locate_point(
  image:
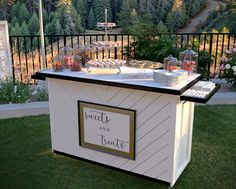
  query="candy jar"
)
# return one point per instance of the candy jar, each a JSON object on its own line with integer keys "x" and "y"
{"x": 57, "y": 63}
{"x": 85, "y": 52}
{"x": 171, "y": 63}
{"x": 167, "y": 62}
{"x": 190, "y": 60}
{"x": 174, "y": 64}
{"x": 67, "y": 54}
{"x": 76, "y": 65}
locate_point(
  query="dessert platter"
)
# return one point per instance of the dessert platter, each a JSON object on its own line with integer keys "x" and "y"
{"x": 105, "y": 66}
{"x": 144, "y": 64}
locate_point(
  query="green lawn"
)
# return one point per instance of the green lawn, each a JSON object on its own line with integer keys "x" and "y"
{"x": 26, "y": 160}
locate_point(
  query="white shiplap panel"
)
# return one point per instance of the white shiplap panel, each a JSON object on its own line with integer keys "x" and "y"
{"x": 132, "y": 99}
{"x": 154, "y": 159}
{"x": 151, "y": 149}
{"x": 119, "y": 97}
{"x": 153, "y": 119}
{"x": 145, "y": 101}
{"x": 159, "y": 169}
{"x": 152, "y": 109}
{"x": 151, "y": 137}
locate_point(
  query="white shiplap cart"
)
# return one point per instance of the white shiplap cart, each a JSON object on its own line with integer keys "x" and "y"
{"x": 164, "y": 119}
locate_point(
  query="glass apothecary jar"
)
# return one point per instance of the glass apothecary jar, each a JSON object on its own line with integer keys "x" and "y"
{"x": 189, "y": 60}
{"x": 67, "y": 54}
{"x": 85, "y": 53}
{"x": 76, "y": 64}
{"x": 171, "y": 63}
{"x": 57, "y": 63}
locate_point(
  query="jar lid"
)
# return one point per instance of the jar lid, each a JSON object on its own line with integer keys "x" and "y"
{"x": 169, "y": 58}
{"x": 66, "y": 49}
{"x": 189, "y": 52}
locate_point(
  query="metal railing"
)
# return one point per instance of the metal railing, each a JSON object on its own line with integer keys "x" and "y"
{"x": 26, "y": 59}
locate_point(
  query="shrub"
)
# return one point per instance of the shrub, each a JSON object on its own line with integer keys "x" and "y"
{"x": 228, "y": 66}
{"x": 204, "y": 59}
{"x": 13, "y": 92}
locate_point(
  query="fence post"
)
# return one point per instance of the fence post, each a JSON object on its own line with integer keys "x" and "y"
{"x": 210, "y": 52}
{"x": 115, "y": 48}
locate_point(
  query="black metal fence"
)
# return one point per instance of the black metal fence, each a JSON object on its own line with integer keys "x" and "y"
{"x": 26, "y": 59}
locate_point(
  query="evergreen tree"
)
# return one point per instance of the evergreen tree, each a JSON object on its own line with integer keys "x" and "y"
{"x": 91, "y": 19}
{"x": 15, "y": 10}
{"x": 69, "y": 20}
{"x": 45, "y": 17}
{"x": 195, "y": 8}
{"x": 15, "y": 30}
{"x": 24, "y": 44}
{"x": 76, "y": 19}
{"x": 170, "y": 22}
{"x": 125, "y": 18}
{"x": 161, "y": 28}
{"x": 115, "y": 6}
{"x": 23, "y": 14}
{"x": 81, "y": 8}
{"x": 100, "y": 6}
{"x": 33, "y": 24}
{"x": 53, "y": 28}
{"x": 24, "y": 28}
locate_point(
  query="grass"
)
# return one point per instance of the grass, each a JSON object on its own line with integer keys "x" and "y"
{"x": 26, "y": 160}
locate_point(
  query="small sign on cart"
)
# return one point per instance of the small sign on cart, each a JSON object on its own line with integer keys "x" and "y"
{"x": 108, "y": 129}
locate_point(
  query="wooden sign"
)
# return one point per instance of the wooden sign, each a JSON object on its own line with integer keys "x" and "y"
{"x": 107, "y": 129}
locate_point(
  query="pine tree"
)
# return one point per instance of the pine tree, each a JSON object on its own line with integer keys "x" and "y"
{"x": 170, "y": 22}
{"x": 81, "y": 8}
{"x": 100, "y": 6}
{"x": 115, "y": 6}
{"x": 161, "y": 28}
{"x": 195, "y": 8}
{"x": 53, "y": 28}
{"x": 33, "y": 24}
{"x": 91, "y": 19}
{"x": 24, "y": 28}
{"x": 23, "y": 14}
{"x": 15, "y": 9}
{"x": 45, "y": 16}
{"x": 125, "y": 15}
{"x": 76, "y": 19}
{"x": 15, "y": 30}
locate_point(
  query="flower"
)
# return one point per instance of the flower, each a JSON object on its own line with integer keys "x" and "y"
{"x": 224, "y": 59}
{"x": 228, "y": 51}
{"x": 234, "y": 49}
{"x": 227, "y": 66}
{"x": 234, "y": 68}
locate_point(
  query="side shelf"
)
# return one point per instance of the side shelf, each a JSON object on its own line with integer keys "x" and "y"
{"x": 187, "y": 96}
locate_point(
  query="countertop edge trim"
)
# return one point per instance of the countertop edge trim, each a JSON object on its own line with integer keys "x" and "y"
{"x": 43, "y": 76}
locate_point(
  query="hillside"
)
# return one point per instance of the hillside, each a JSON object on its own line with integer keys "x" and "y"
{"x": 74, "y": 16}
{"x": 222, "y": 19}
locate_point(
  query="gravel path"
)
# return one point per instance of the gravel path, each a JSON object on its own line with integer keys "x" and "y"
{"x": 201, "y": 17}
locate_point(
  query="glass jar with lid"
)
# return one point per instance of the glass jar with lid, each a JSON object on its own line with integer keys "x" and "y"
{"x": 189, "y": 60}
{"x": 85, "y": 53}
{"x": 76, "y": 64}
{"x": 171, "y": 63}
{"x": 67, "y": 54}
{"x": 57, "y": 63}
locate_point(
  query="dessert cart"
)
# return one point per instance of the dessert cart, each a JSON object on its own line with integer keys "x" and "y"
{"x": 128, "y": 121}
